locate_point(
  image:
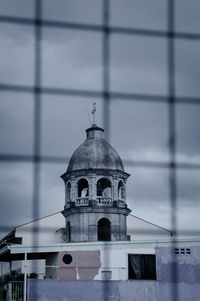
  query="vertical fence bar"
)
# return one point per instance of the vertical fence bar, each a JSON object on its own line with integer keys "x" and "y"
{"x": 106, "y": 66}
{"x": 172, "y": 144}
{"x": 106, "y": 90}
{"x": 37, "y": 119}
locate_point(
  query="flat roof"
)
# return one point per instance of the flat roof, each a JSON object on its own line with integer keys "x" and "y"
{"x": 16, "y": 252}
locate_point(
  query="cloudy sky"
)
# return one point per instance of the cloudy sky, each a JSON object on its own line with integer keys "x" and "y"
{"x": 72, "y": 59}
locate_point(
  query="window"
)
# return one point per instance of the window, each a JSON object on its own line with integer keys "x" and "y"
{"x": 182, "y": 251}
{"x": 67, "y": 258}
{"x": 141, "y": 267}
{"x": 104, "y": 188}
{"x": 68, "y": 192}
{"x": 82, "y": 188}
{"x": 121, "y": 190}
{"x": 106, "y": 275}
{"x": 68, "y": 231}
{"x": 104, "y": 230}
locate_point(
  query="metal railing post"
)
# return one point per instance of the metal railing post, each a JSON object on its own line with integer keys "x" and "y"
{"x": 25, "y": 275}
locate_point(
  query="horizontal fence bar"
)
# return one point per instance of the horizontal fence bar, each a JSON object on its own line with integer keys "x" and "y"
{"x": 138, "y": 163}
{"x": 98, "y": 94}
{"x": 100, "y": 28}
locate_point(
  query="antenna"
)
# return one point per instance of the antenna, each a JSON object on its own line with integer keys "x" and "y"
{"x": 93, "y": 112}
{"x": 88, "y": 115}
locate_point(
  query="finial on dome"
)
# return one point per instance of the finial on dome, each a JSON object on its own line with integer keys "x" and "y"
{"x": 93, "y": 112}
{"x": 94, "y": 131}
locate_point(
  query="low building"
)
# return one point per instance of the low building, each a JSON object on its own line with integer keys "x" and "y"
{"x": 96, "y": 237}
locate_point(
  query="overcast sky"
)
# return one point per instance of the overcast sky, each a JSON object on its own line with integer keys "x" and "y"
{"x": 139, "y": 130}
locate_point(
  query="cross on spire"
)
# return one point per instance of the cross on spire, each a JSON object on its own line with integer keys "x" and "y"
{"x": 93, "y": 112}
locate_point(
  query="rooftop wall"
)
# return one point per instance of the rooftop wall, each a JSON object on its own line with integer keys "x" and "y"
{"x": 65, "y": 290}
{"x": 187, "y": 266}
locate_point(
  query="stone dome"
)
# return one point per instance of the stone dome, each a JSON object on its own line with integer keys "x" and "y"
{"x": 95, "y": 153}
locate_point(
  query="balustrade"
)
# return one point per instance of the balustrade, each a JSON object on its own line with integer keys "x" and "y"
{"x": 104, "y": 201}
{"x": 101, "y": 201}
{"x": 82, "y": 201}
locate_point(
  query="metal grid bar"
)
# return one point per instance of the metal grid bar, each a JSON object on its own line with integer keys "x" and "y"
{"x": 37, "y": 121}
{"x": 106, "y": 54}
{"x": 100, "y": 28}
{"x": 87, "y": 93}
{"x": 132, "y": 163}
{"x": 172, "y": 141}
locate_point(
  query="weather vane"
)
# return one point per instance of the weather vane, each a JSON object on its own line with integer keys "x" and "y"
{"x": 93, "y": 112}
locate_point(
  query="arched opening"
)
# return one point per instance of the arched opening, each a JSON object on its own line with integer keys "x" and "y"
{"x": 68, "y": 191}
{"x": 82, "y": 188}
{"x": 104, "y": 188}
{"x": 121, "y": 190}
{"x": 68, "y": 231}
{"x": 104, "y": 230}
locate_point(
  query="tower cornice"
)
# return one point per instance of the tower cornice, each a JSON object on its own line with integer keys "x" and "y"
{"x": 110, "y": 210}
{"x": 85, "y": 172}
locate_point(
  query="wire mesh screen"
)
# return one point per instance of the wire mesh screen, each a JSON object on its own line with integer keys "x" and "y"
{"x": 139, "y": 62}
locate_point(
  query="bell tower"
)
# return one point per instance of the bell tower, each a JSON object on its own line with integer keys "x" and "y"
{"x": 95, "y": 191}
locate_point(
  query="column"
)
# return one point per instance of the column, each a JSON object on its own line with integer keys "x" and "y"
{"x": 73, "y": 189}
{"x": 115, "y": 188}
{"x": 92, "y": 187}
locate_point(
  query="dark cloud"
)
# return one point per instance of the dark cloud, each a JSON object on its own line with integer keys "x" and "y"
{"x": 188, "y": 185}
{"x": 147, "y": 185}
{"x": 19, "y": 8}
{"x": 17, "y": 54}
{"x": 16, "y": 123}
{"x": 139, "y": 14}
{"x": 64, "y": 120}
{"x": 73, "y": 11}
{"x": 187, "y": 14}
{"x": 142, "y": 132}
{"x": 187, "y": 132}
{"x": 149, "y": 196}
{"x": 16, "y": 186}
{"x": 138, "y": 64}
{"x": 52, "y": 192}
{"x": 72, "y": 59}
{"x": 187, "y": 67}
